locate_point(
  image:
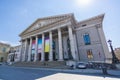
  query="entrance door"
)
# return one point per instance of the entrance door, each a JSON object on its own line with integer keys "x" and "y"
{"x": 32, "y": 57}
{"x": 54, "y": 56}
{"x": 39, "y": 56}
{"x": 46, "y": 56}
{"x": 69, "y": 49}
{"x": 1, "y": 60}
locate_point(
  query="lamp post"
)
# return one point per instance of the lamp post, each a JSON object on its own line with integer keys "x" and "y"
{"x": 114, "y": 58}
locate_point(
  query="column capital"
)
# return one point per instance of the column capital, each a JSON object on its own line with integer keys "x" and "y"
{"x": 50, "y": 32}
{"x": 26, "y": 40}
{"x": 36, "y": 36}
{"x": 30, "y": 38}
{"x": 59, "y": 28}
{"x": 22, "y": 40}
{"x": 43, "y": 33}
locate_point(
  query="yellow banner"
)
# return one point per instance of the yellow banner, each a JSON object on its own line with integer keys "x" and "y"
{"x": 47, "y": 45}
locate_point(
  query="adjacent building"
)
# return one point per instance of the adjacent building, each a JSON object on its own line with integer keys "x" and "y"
{"x": 62, "y": 38}
{"x": 4, "y": 50}
{"x": 117, "y": 53}
{"x": 14, "y": 54}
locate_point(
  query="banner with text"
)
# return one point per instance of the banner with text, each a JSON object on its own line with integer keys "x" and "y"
{"x": 39, "y": 45}
{"x": 47, "y": 44}
{"x": 33, "y": 46}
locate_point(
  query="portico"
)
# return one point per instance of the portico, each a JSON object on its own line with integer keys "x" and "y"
{"x": 51, "y": 46}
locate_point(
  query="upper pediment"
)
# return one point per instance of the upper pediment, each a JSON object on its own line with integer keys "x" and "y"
{"x": 42, "y": 22}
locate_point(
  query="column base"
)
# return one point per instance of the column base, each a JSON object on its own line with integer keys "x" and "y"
{"x": 50, "y": 60}
{"x": 34, "y": 60}
{"x": 28, "y": 61}
{"x": 42, "y": 60}
{"x": 60, "y": 60}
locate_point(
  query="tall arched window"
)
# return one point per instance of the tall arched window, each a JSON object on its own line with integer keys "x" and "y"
{"x": 86, "y": 39}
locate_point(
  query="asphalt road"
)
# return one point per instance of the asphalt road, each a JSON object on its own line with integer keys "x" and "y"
{"x": 14, "y": 73}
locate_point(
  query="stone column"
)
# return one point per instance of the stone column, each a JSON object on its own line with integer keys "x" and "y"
{"x": 51, "y": 51}
{"x": 29, "y": 54}
{"x": 42, "y": 54}
{"x": 36, "y": 49}
{"x": 25, "y": 52}
{"x": 72, "y": 45}
{"x": 21, "y": 57}
{"x": 60, "y": 45}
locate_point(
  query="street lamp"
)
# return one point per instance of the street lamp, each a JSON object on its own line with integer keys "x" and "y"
{"x": 114, "y": 58}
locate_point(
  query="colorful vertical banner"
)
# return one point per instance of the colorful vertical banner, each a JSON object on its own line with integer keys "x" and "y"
{"x": 39, "y": 45}
{"x": 47, "y": 44}
{"x": 33, "y": 46}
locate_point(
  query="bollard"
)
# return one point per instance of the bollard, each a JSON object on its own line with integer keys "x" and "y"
{"x": 104, "y": 69}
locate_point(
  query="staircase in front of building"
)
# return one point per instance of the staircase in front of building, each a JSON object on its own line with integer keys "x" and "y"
{"x": 45, "y": 64}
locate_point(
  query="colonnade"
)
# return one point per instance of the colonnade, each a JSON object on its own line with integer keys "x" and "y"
{"x": 29, "y": 52}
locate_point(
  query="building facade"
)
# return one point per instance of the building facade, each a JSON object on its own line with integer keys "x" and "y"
{"x": 59, "y": 38}
{"x": 14, "y": 54}
{"x": 4, "y": 50}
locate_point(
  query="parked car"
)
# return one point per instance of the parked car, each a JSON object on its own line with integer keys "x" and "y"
{"x": 90, "y": 65}
{"x": 0, "y": 63}
{"x": 81, "y": 65}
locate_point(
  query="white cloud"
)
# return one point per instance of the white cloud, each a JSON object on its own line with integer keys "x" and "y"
{"x": 11, "y": 43}
{"x": 6, "y": 42}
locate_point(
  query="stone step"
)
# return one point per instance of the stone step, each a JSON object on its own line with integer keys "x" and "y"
{"x": 46, "y": 64}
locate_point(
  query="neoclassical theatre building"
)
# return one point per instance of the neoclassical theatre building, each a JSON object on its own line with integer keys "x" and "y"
{"x": 62, "y": 37}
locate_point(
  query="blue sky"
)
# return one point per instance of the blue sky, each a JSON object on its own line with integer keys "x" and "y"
{"x": 17, "y": 15}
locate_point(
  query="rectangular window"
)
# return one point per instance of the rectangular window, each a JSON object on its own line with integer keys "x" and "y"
{"x": 4, "y": 49}
{"x": 89, "y": 54}
{"x": 84, "y": 25}
{"x": 86, "y": 39}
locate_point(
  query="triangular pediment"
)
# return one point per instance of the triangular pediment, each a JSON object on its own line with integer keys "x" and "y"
{"x": 42, "y": 22}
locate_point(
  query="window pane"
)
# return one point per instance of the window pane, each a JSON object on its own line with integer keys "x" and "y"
{"x": 89, "y": 54}
{"x": 86, "y": 39}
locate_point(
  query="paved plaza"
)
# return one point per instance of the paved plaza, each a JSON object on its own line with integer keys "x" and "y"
{"x": 24, "y": 73}
{"x": 68, "y": 76}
